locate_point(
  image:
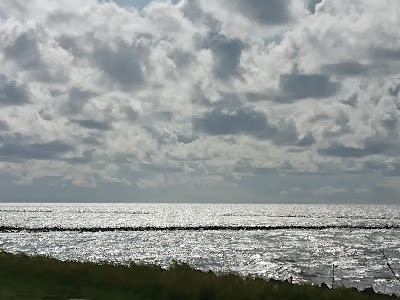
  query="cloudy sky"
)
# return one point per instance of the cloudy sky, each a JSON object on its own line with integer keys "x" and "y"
{"x": 200, "y": 101}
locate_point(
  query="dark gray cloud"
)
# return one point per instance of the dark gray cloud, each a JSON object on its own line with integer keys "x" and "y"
{"x": 193, "y": 11}
{"x": 226, "y": 53}
{"x": 245, "y": 121}
{"x": 150, "y": 167}
{"x": 41, "y": 151}
{"x": 346, "y": 68}
{"x": 182, "y": 59}
{"x": 86, "y": 157}
{"x": 394, "y": 91}
{"x": 374, "y": 165}
{"x": 390, "y": 124}
{"x": 186, "y": 139}
{"x": 372, "y": 146}
{"x": 352, "y": 101}
{"x": 92, "y": 140}
{"x": 386, "y": 53}
{"x": 311, "y": 5}
{"x": 3, "y": 126}
{"x": 12, "y": 138}
{"x": 268, "y": 12}
{"x": 131, "y": 114}
{"x": 71, "y": 44}
{"x": 231, "y": 100}
{"x": 342, "y": 126}
{"x": 77, "y": 99}
{"x": 254, "y": 97}
{"x": 124, "y": 64}
{"x": 191, "y": 156}
{"x": 300, "y": 86}
{"x": 218, "y": 122}
{"x": 285, "y": 133}
{"x": 94, "y": 124}
{"x": 320, "y": 117}
{"x": 338, "y": 150}
{"x": 243, "y": 166}
{"x": 61, "y": 18}
{"x": 45, "y": 115}
{"x": 11, "y": 93}
{"x": 165, "y": 115}
{"x": 24, "y": 51}
{"x": 227, "y": 57}
{"x": 264, "y": 170}
{"x": 393, "y": 171}
{"x": 306, "y": 141}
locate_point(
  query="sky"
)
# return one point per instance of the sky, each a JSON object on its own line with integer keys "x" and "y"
{"x": 250, "y": 101}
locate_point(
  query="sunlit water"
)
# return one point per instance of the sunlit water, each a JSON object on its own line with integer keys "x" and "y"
{"x": 306, "y": 253}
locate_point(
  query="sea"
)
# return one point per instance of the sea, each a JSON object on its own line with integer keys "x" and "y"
{"x": 340, "y": 245}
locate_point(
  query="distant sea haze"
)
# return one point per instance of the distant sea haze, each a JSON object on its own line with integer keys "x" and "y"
{"x": 269, "y": 241}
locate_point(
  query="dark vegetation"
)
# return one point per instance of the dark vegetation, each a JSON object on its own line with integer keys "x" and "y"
{"x": 24, "y": 277}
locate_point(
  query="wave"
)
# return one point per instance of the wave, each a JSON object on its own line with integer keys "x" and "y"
{"x": 139, "y": 212}
{"x": 193, "y": 228}
{"x": 309, "y": 216}
{"x": 25, "y": 210}
{"x": 76, "y": 211}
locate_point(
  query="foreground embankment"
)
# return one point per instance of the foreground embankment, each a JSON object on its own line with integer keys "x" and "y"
{"x": 24, "y": 277}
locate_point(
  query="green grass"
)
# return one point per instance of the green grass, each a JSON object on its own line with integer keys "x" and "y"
{"x": 24, "y": 277}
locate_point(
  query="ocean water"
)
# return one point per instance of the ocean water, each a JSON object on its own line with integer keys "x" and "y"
{"x": 270, "y": 241}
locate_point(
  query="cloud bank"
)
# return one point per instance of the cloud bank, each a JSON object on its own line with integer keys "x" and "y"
{"x": 192, "y": 100}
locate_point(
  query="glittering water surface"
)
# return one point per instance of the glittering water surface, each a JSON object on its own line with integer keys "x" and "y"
{"x": 305, "y": 254}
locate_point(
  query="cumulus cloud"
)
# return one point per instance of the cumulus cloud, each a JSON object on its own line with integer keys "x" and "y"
{"x": 184, "y": 94}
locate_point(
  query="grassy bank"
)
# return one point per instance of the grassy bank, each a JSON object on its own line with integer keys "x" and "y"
{"x": 23, "y": 277}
